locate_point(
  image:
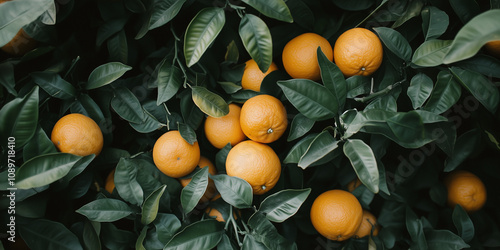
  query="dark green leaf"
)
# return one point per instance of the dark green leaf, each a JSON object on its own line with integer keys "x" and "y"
{"x": 463, "y": 223}
{"x": 310, "y": 98}
{"x": 299, "y": 127}
{"x": 250, "y": 243}
{"x": 358, "y": 85}
{"x": 209, "y": 102}
{"x": 234, "y": 190}
{"x": 364, "y": 163}
{"x": 126, "y": 182}
{"x": 105, "y": 210}
{"x": 479, "y": 86}
{"x": 39, "y": 144}
{"x": 265, "y": 232}
{"x": 7, "y": 79}
{"x": 276, "y": 9}
{"x": 413, "y": 9}
{"x": 114, "y": 238}
{"x": 220, "y": 158}
{"x": 54, "y": 85}
{"x": 139, "y": 243}
{"x": 464, "y": 147}
{"x": 445, "y": 93}
{"x": 192, "y": 193}
{"x": 465, "y": 9}
{"x": 118, "y": 47}
{"x": 169, "y": 81}
{"x": 230, "y": 87}
{"x": 434, "y": 22}
{"x": 322, "y": 145}
{"x": 299, "y": 149}
{"x": 106, "y": 74}
{"x": 420, "y": 89}
{"x": 46, "y": 234}
{"x": 187, "y": 133}
{"x": 395, "y": 42}
{"x": 201, "y": 32}
{"x": 406, "y": 127}
{"x": 473, "y": 35}
{"x": 166, "y": 226}
{"x": 301, "y": 13}
{"x": 444, "y": 239}
{"x": 416, "y": 229}
{"x": 486, "y": 65}
{"x": 45, "y": 169}
{"x": 333, "y": 79}
{"x": 353, "y": 5}
{"x": 257, "y": 40}
{"x": 282, "y": 205}
{"x": 108, "y": 29}
{"x": 91, "y": 236}
{"x": 163, "y": 11}
{"x": 431, "y": 53}
{"x": 151, "y": 204}
{"x": 128, "y": 107}
{"x": 204, "y": 234}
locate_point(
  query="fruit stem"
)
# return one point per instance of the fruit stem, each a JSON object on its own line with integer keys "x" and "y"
{"x": 379, "y": 93}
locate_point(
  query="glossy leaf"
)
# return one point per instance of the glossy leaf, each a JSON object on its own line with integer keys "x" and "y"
{"x": 265, "y": 232}
{"x": 395, "y": 42}
{"x": 201, "y": 32}
{"x": 126, "y": 182}
{"x": 420, "y": 89}
{"x": 204, "y": 234}
{"x": 164, "y": 11}
{"x": 139, "y": 243}
{"x": 473, "y": 35}
{"x": 54, "y": 85}
{"x": 7, "y": 79}
{"x": 412, "y": 10}
{"x": 105, "y": 210}
{"x": 169, "y": 80}
{"x": 166, "y": 226}
{"x": 18, "y": 119}
{"x": 151, "y": 204}
{"x": 276, "y": 9}
{"x": 486, "y": 65}
{"x": 322, "y": 145}
{"x": 479, "y": 86}
{"x": 55, "y": 235}
{"x": 445, "y": 93}
{"x": 310, "y": 98}
{"x": 465, "y": 10}
{"x": 434, "y": 22}
{"x": 126, "y": 104}
{"x": 108, "y": 29}
{"x": 431, "y": 53}
{"x": 333, "y": 79}
{"x": 39, "y": 144}
{"x": 192, "y": 192}
{"x": 209, "y": 102}
{"x": 250, "y": 243}
{"x": 234, "y": 190}
{"x": 300, "y": 126}
{"x": 406, "y": 127}
{"x": 282, "y": 205}
{"x": 44, "y": 169}
{"x": 257, "y": 40}
{"x": 187, "y": 133}
{"x": 90, "y": 235}
{"x": 416, "y": 229}
{"x": 364, "y": 163}
{"x": 463, "y": 223}
{"x": 444, "y": 239}
{"x": 466, "y": 144}
{"x": 298, "y": 149}
{"x": 106, "y": 74}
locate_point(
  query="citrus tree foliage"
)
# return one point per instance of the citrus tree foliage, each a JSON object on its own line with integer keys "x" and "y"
{"x": 143, "y": 67}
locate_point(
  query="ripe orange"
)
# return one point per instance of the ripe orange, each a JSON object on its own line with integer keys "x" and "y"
{"x": 493, "y": 48}
{"x": 223, "y": 130}
{"x": 367, "y": 223}
{"x": 263, "y": 118}
{"x": 358, "y": 51}
{"x": 211, "y": 190}
{"x": 300, "y": 57}
{"x": 336, "y": 214}
{"x": 255, "y": 163}
{"x": 253, "y": 76}
{"x": 110, "y": 182}
{"x": 212, "y": 212}
{"x": 174, "y": 156}
{"x": 77, "y": 134}
{"x": 353, "y": 184}
{"x": 466, "y": 189}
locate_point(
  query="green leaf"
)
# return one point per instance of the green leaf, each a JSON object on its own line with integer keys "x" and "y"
{"x": 444, "y": 239}
{"x": 192, "y": 193}
{"x": 463, "y": 223}
{"x": 39, "y": 144}
{"x": 126, "y": 182}
{"x": 105, "y": 210}
{"x": 333, "y": 79}
{"x": 106, "y": 74}
{"x": 16, "y": 14}
{"x": 298, "y": 149}
{"x": 7, "y": 79}
{"x": 322, "y": 145}
{"x": 234, "y": 190}
{"x": 406, "y": 127}
{"x": 416, "y": 229}
{"x": 46, "y": 234}
{"x": 395, "y": 42}
{"x": 300, "y": 126}
{"x": 54, "y": 85}
{"x": 169, "y": 80}
{"x": 431, "y": 53}
{"x": 473, "y": 35}
{"x": 187, "y": 133}
{"x": 151, "y": 204}
{"x": 465, "y": 9}
{"x": 310, "y": 98}
{"x": 282, "y": 205}
{"x": 201, "y": 32}
{"x": 209, "y": 102}
{"x": 355, "y": 5}
{"x": 128, "y": 107}
{"x": 19, "y": 119}
{"x": 44, "y": 169}
{"x": 486, "y": 65}
{"x": 434, "y": 22}
{"x": 265, "y": 232}
{"x": 466, "y": 144}
{"x": 420, "y": 89}
{"x": 413, "y": 9}
{"x": 109, "y": 28}
{"x": 114, "y": 238}
{"x": 276, "y": 9}
{"x": 250, "y": 243}
{"x": 230, "y": 87}
{"x": 445, "y": 93}
{"x": 364, "y": 163}
{"x": 163, "y": 11}
{"x": 204, "y": 234}
{"x": 118, "y": 47}
{"x": 166, "y": 226}
{"x": 91, "y": 236}
{"x": 358, "y": 85}
{"x": 139, "y": 243}
{"x": 257, "y": 40}
{"x": 76, "y": 170}
{"x": 479, "y": 86}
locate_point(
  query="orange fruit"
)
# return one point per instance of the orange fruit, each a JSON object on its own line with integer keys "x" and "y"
{"x": 353, "y": 184}
{"x": 110, "y": 182}
{"x": 336, "y": 214}
{"x": 174, "y": 156}
{"x": 211, "y": 190}
{"x": 223, "y": 130}
{"x": 77, "y": 134}
{"x": 255, "y": 163}
{"x": 358, "y": 51}
{"x": 212, "y": 212}
{"x": 263, "y": 118}
{"x": 20, "y": 44}
{"x": 367, "y": 223}
{"x": 253, "y": 76}
{"x": 493, "y": 48}
{"x": 300, "y": 57}
{"x": 466, "y": 189}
